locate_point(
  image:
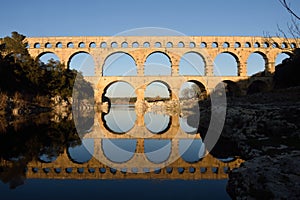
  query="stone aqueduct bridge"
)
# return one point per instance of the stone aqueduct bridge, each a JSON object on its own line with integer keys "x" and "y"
{"x": 174, "y": 47}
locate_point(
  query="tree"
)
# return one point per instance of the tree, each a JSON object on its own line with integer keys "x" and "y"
{"x": 16, "y": 46}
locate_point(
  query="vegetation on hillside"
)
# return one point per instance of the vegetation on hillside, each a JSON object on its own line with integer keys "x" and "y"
{"x": 30, "y": 78}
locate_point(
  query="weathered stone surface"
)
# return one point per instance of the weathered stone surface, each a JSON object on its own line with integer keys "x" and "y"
{"x": 267, "y": 177}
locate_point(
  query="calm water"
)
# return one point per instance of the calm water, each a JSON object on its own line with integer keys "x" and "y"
{"x": 103, "y": 156}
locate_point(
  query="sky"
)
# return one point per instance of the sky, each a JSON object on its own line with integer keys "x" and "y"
{"x": 109, "y": 17}
{"x": 34, "y": 18}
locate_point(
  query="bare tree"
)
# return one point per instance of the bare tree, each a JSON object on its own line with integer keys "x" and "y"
{"x": 293, "y": 28}
{"x": 287, "y": 6}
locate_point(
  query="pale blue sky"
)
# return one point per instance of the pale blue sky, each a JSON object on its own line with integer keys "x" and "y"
{"x": 109, "y": 17}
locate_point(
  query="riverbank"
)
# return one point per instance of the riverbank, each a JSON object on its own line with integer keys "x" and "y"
{"x": 265, "y": 128}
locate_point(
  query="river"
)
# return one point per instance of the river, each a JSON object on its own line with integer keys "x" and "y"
{"x": 111, "y": 155}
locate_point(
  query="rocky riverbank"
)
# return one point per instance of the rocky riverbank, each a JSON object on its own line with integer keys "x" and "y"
{"x": 265, "y": 127}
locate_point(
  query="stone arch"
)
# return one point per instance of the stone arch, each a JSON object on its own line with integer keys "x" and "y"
{"x": 47, "y": 57}
{"x": 86, "y": 60}
{"x": 117, "y": 152}
{"x": 282, "y": 57}
{"x": 105, "y": 90}
{"x": 231, "y": 71}
{"x": 111, "y": 62}
{"x": 203, "y": 91}
{"x": 253, "y": 61}
{"x": 165, "y": 84}
{"x": 191, "y": 65}
{"x": 158, "y": 61}
{"x": 232, "y": 89}
{"x": 257, "y": 86}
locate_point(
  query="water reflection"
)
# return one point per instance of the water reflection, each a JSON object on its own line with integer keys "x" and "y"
{"x": 191, "y": 151}
{"x": 42, "y": 148}
{"x": 120, "y": 119}
{"x": 83, "y": 152}
{"x": 118, "y": 150}
{"x": 156, "y": 123}
{"x": 157, "y": 151}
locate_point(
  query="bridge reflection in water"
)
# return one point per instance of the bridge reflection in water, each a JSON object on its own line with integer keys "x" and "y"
{"x": 170, "y": 153}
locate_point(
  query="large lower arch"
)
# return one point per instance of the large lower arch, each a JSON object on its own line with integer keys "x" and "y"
{"x": 257, "y": 63}
{"x": 157, "y": 90}
{"x": 158, "y": 63}
{"x": 48, "y": 58}
{"x": 119, "y": 64}
{"x": 83, "y": 62}
{"x": 193, "y": 89}
{"x": 192, "y": 63}
{"x": 282, "y": 57}
{"x": 119, "y": 89}
{"x": 226, "y": 64}
{"x": 231, "y": 88}
{"x": 120, "y": 94}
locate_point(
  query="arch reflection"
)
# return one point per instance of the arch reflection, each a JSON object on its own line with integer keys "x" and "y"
{"x": 82, "y": 153}
{"x": 119, "y": 150}
{"x": 157, "y": 151}
{"x": 157, "y": 123}
{"x": 191, "y": 151}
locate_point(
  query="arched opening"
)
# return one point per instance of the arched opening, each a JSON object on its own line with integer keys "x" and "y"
{"x": 146, "y": 45}
{"x": 121, "y": 117}
{"x": 157, "y": 151}
{"x": 282, "y": 57}
{"x": 37, "y": 45}
{"x": 180, "y": 44}
{"x": 124, "y": 45}
{"x": 92, "y": 45}
{"x": 82, "y": 62}
{"x": 203, "y": 45}
{"x": 256, "y": 63}
{"x": 70, "y": 45}
{"x": 226, "y": 45}
{"x": 83, "y": 152}
{"x": 48, "y": 60}
{"x": 192, "y": 63}
{"x": 157, "y": 64}
{"x": 237, "y": 45}
{"x": 231, "y": 88}
{"x": 81, "y": 45}
{"x": 257, "y": 86}
{"x": 157, "y": 91}
{"x": 169, "y": 45}
{"x": 192, "y": 90}
{"x": 191, "y": 151}
{"x": 214, "y": 45}
{"x": 157, "y": 44}
{"x": 59, "y": 45}
{"x": 135, "y": 44}
{"x": 226, "y": 64}
{"x": 256, "y": 45}
{"x": 119, "y": 64}
{"x": 48, "y": 45}
{"x": 119, "y": 150}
